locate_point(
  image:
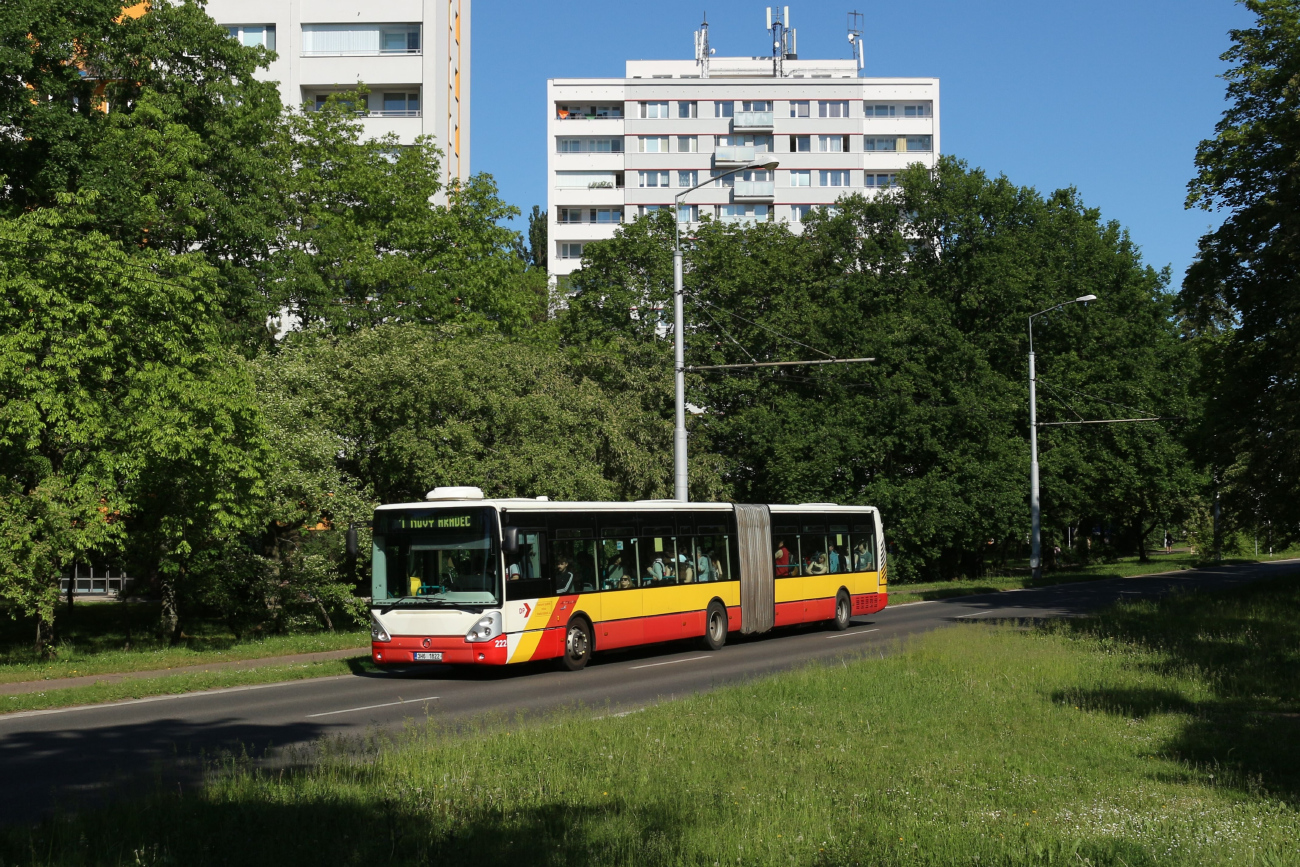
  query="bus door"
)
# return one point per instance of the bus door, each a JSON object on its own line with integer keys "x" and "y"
{"x": 622, "y": 607}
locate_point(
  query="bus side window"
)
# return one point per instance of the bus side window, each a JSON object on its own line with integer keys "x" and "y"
{"x": 864, "y": 548}
{"x": 785, "y": 542}
{"x": 812, "y": 550}
{"x": 712, "y": 557}
{"x": 840, "y": 550}
{"x": 658, "y": 560}
{"x": 525, "y": 575}
{"x": 618, "y": 560}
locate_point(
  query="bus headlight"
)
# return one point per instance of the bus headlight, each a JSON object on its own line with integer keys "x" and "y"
{"x": 487, "y": 628}
{"x": 377, "y": 632}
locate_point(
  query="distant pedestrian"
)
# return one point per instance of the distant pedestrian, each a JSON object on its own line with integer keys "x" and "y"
{"x": 1169, "y": 542}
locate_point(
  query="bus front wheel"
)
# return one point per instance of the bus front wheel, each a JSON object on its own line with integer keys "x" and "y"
{"x": 577, "y": 645}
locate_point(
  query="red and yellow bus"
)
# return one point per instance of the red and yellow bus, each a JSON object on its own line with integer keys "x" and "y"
{"x": 463, "y": 579}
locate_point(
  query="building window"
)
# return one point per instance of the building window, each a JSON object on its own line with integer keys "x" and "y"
{"x": 587, "y": 112}
{"x": 835, "y": 178}
{"x": 591, "y": 146}
{"x": 606, "y": 215}
{"x": 801, "y": 179}
{"x": 649, "y": 210}
{"x": 724, "y": 109}
{"x": 756, "y": 105}
{"x": 401, "y": 105}
{"x": 881, "y": 180}
{"x": 688, "y": 179}
{"x": 833, "y": 144}
{"x": 570, "y": 251}
{"x": 321, "y": 99}
{"x": 799, "y": 213}
{"x": 569, "y": 215}
{"x": 724, "y": 180}
{"x": 878, "y": 110}
{"x": 687, "y": 144}
{"x": 653, "y": 144}
{"x": 688, "y": 213}
{"x": 799, "y": 108}
{"x": 879, "y": 144}
{"x": 800, "y": 144}
{"x": 833, "y": 108}
{"x": 654, "y": 179}
{"x": 352, "y": 39}
{"x": 919, "y": 143}
{"x": 654, "y": 109}
{"x": 254, "y": 35}
{"x": 688, "y": 109}
{"x": 919, "y": 110}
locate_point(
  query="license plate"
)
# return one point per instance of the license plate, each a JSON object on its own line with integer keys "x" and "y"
{"x": 428, "y": 657}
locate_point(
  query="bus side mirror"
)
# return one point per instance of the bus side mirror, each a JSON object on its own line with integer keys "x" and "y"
{"x": 354, "y": 549}
{"x": 511, "y": 540}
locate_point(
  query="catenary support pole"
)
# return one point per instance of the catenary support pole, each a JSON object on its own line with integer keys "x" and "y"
{"x": 679, "y": 382}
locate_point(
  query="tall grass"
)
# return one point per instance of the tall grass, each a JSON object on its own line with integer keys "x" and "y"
{"x": 1116, "y": 740}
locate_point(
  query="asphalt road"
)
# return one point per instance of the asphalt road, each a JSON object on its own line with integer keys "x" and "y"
{"x": 69, "y": 757}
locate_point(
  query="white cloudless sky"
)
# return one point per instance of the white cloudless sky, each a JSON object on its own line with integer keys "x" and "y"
{"x": 1108, "y": 96}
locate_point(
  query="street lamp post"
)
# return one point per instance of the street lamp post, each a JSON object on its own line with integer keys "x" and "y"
{"x": 679, "y": 348}
{"x": 1035, "y": 507}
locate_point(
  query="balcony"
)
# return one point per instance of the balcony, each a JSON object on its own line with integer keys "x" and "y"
{"x": 736, "y": 220}
{"x": 736, "y": 155}
{"x": 755, "y": 191}
{"x": 753, "y": 120}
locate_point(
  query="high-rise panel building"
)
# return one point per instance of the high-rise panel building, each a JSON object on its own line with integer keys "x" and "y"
{"x": 619, "y": 148}
{"x": 413, "y": 55}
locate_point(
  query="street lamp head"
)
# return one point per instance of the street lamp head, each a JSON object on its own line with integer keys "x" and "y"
{"x": 1086, "y": 298}
{"x": 770, "y": 167}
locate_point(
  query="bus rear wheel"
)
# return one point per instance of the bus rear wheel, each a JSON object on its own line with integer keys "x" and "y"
{"x": 715, "y": 627}
{"x": 843, "y": 612}
{"x": 577, "y": 645}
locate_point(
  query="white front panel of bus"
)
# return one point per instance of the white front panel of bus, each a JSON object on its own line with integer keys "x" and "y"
{"x": 424, "y": 622}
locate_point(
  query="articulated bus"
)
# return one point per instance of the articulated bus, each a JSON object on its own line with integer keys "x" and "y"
{"x": 463, "y": 579}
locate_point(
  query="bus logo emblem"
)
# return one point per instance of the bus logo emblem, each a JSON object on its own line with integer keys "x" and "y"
{"x": 526, "y": 610}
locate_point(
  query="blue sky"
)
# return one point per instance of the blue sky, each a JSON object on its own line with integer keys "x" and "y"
{"x": 1107, "y": 96}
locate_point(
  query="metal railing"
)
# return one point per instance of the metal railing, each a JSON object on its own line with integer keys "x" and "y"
{"x": 735, "y": 154}
{"x": 89, "y": 581}
{"x": 753, "y": 120}
{"x": 755, "y": 189}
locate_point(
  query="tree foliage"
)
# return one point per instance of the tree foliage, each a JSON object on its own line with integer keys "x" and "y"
{"x": 1241, "y": 294}
{"x": 936, "y": 282}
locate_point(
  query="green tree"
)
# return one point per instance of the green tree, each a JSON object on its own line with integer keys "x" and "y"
{"x": 163, "y": 118}
{"x": 368, "y": 244}
{"x": 409, "y": 407}
{"x": 537, "y": 241}
{"x": 122, "y": 412}
{"x": 935, "y": 281}
{"x": 1240, "y": 293}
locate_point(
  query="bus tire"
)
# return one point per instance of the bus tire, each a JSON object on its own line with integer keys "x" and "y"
{"x": 577, "y": 644}
{"x": 843, "y": 612}
{"x": 715, "y": 626}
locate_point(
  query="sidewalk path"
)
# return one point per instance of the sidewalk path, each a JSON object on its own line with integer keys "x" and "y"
{"x": 56, "y": 683}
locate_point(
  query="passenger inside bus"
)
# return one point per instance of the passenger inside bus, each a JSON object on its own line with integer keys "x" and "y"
{"x": 685, "y": 572}
{"x": 614, "y": 573}
{"x": 818, "y": 565}
{"x": 783, "y": 567}
{"x": 564, "y": 582}
{"x": 703, "y": 566}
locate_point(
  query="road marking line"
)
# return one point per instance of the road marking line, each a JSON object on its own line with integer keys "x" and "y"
{"x": 977, "y": 613}
{"x": 669, "y": 662}
{"x": 905, "y": 604}
{"x": 847, "y": 634}
{"x": 151, "y": 698}
{"x": 372, "y": 706}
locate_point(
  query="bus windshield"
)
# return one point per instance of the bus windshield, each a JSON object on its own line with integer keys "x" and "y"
{"x": 436, "y": 557}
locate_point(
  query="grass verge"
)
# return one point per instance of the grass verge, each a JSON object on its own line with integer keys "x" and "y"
{"x": 1157, "y": 733}
{"x": 176, "y": 684}
{"x": 1127, "y": 567}
{"x": 118, "y": 637}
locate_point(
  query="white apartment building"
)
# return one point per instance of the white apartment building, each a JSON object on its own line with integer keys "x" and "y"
{"x": 413, "y": 55}
{"x": 623, "y": 147}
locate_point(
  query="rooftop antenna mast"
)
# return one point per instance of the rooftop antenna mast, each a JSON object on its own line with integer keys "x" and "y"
{"x": 702, "y": 50}
{"x": 785, "y": 43}
{"x": 855, "y": 39}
